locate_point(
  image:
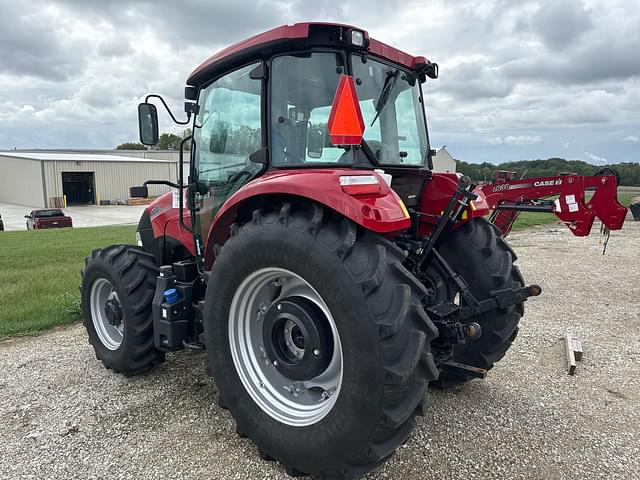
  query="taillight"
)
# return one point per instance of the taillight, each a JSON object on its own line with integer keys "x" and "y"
{"x": 360, "y": 184}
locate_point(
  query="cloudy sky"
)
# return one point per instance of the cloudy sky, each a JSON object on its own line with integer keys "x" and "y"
{"x": 518, "y": 79}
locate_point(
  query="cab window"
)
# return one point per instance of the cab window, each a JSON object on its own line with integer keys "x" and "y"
{"x": 302, "y": 92}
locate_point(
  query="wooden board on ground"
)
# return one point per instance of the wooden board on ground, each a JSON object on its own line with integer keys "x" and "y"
{"x": 573, "y": 345}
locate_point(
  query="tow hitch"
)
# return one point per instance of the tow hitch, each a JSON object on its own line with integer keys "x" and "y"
{"x": 452, "y": 319}
{"x": 455, "y": 328}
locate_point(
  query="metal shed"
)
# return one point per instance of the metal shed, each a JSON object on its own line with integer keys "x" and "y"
{"x": 45, "y": 179}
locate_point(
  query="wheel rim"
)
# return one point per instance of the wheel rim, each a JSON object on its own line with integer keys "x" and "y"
{"x": 258, "y": 300}
{"x": 108, "y": 330}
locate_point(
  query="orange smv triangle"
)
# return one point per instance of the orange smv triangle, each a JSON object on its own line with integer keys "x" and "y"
{"x": 346, "y": 125}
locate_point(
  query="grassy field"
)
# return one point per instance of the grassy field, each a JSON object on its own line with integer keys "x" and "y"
{"x": 40, "y": 275}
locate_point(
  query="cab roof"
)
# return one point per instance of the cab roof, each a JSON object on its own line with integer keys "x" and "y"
{"x": 296, "y": 37}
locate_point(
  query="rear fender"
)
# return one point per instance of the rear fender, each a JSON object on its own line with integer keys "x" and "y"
{"x": 382, "y": 213}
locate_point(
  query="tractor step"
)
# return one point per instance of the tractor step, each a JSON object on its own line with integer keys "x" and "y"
{"x": 193, "y": 345}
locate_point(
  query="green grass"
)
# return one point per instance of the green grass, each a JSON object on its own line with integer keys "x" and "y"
{"x": 530, "y": 219}
{"x": 40, "y": 275}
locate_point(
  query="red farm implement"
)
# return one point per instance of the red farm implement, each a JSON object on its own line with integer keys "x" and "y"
{"x": 579, "y": 200}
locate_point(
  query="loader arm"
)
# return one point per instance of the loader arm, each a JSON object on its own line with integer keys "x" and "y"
{"x": 507, "y": 198}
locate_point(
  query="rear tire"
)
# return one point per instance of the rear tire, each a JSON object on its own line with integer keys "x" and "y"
{"x": 124, "y": 276}
{"x": 384, "y": 336}
{"x": 478, "y": 252}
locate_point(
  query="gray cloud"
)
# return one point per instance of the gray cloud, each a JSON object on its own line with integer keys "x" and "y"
{"x": 31, "y": 45}
{"x": 532, "y": 78}
{"x": 561, "y": 24}
{"x": 114, "y": 47}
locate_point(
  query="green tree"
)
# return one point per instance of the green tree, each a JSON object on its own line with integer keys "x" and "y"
{"x": 171, "y": 141}
{"x": 131, "y": 146}
{"x": 168, "y": 141}
{"x": 629, "y": 172}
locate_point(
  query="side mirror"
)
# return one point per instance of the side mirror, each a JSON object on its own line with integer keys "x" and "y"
{"x": 219, "y": 133}
{"x": 139, "y": 192}
{"x": 148, "y": 123}
{"x": 315, "y": 142}
{"x": 27, "y": 216}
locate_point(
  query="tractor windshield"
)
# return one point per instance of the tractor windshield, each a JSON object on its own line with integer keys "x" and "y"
{"x": 391, "y": 104}
{"x": 302, "y": 92}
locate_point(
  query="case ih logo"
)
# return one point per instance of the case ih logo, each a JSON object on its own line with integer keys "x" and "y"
{"x": 501, "y": 187}
{"x": 547, "y": 183}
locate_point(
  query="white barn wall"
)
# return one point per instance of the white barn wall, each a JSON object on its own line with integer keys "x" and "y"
{"x": 444, "y": 162}
{"x": 112, "y": 179}
{"x": 21, "y": 181}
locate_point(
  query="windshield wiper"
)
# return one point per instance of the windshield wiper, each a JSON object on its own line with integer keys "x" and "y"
{"x": 388, "y": 85}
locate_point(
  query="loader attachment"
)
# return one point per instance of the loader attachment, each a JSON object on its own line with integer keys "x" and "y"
{"x": 507, "y": 198}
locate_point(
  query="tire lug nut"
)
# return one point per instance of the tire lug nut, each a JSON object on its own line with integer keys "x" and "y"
{"x": 316, "y": 353}
{"x": 275, "y": 363}
{"x": 279, "y": 307}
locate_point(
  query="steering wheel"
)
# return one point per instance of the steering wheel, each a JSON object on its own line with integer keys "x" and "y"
{"x": 236, "y": 177}
{"x": 383, "y": 153}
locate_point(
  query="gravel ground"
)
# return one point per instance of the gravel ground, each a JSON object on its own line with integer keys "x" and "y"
{"x": 64, "y": 416}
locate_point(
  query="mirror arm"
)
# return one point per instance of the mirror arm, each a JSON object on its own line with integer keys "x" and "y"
{"x": 153, "y": 95}
{"x": 161, "y": 182}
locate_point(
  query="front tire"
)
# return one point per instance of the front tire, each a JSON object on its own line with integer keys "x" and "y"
{"x": 373, "y": 313}
{"x": 118, "y": 284}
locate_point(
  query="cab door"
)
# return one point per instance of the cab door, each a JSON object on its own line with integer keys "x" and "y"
{"x": 227, "y": 131}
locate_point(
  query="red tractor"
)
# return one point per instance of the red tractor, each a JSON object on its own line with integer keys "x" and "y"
{"x": 329, "y": 274}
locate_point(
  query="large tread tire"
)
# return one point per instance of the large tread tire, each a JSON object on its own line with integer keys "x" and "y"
{"x": 384, "y": 331}
{"x": 478, "y": 252}
{"x": 133, "y": 273}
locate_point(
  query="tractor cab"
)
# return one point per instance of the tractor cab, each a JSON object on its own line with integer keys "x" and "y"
{"x": 266, "y": 106}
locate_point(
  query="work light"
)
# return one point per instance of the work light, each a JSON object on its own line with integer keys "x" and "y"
{"x": 357, "y": 38}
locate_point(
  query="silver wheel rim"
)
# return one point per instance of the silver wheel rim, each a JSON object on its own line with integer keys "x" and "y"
{"x": 292, "y": 402}
{"x": 110, "y": 336}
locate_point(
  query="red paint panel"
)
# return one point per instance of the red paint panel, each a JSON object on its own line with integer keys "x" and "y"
{"x": 393, "y": 54}
{"x": 435, "y": 198}
{"x": 381, "y": 213}
{"x": 298, "y": 30}
{"x": 165, "y": 220}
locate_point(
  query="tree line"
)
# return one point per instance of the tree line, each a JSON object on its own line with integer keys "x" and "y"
{"x": 166, "y": 141}
{"x": 629, "y": 172}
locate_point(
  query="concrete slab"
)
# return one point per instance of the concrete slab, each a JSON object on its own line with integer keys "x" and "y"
{"x": 88, "y": 216}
